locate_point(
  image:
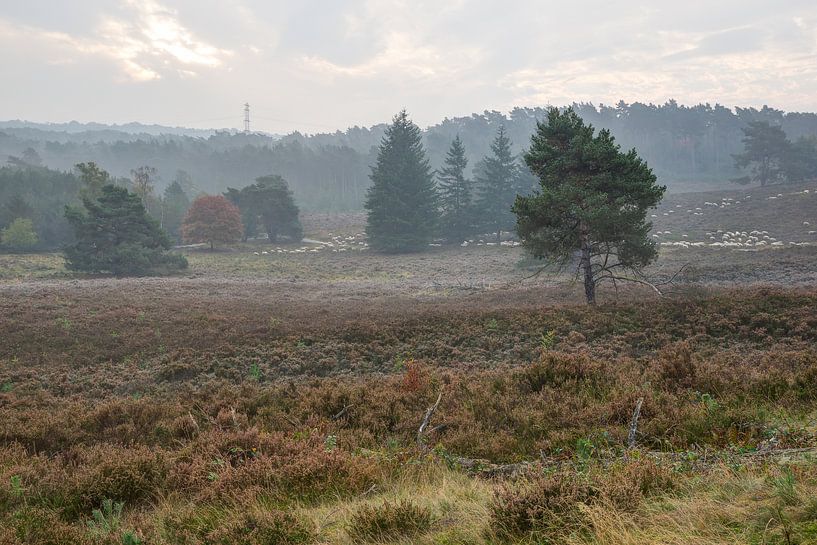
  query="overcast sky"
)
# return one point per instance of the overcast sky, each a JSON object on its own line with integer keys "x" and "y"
{"x": 318, "y": 65}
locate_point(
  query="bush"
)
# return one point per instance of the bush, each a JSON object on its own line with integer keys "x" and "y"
{"x": 41, "y": 527}
{"x": 19, "y": 235}
{"x": 218, "y": 526}
{"x": 389, "y": 521}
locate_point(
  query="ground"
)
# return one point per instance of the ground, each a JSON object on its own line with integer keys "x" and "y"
{"x": 273, "y": 394}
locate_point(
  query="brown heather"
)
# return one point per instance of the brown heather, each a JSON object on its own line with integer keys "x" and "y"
{"x": 221, "y": 415}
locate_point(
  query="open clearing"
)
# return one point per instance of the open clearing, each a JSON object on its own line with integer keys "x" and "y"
{"x": 276, "y": 397}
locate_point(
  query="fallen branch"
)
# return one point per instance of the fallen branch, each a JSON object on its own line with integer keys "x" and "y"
{"x": 343, "y": 412}
{"x": 631, "y": 436}
{"x": 425, "y": 422}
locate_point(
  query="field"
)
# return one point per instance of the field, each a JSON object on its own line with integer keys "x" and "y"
{"x": 275, "y": 395}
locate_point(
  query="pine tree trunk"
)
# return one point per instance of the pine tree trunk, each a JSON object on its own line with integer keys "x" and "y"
{"x": 587, "y": 268}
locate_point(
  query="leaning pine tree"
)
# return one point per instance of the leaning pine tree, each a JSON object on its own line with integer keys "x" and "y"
{"x": 402, "y": 202}
{"x": 592, "y": 201}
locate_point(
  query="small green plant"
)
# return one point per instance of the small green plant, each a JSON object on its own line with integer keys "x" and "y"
{"x": 255, "y": 372}
{"x": 785, "y": 487}
{"x": 492, "y": 325}
{"x": 129, "y": 537}
{"x": 710, "y": 403}
{"x": 330, "y": 443}
{"x": 106, "y": 520}
{"x": 6, "y": 387}
{"x": 17, "y": 490}
{"x": 64, "y": 322}
{"x": 548, "y": 340}
{"x": 585, "y": 450}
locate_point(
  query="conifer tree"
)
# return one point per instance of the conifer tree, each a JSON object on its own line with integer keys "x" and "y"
{"x": 592, "y": 200}
{"x": 498, "y": 179}
{"x": 402, "y": 201}
{"x": 268, "y": 201}
{"x": 114, "y": 234}
{"x": 175, "y": 204}
{"x": 455, "y": 194}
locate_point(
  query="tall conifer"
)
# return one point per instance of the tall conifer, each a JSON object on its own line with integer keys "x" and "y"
{"x": 402, "y": 201}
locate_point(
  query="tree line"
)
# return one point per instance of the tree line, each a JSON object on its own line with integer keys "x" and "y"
{"x": 689, "y": 147}
{"x": 591, "y": 198}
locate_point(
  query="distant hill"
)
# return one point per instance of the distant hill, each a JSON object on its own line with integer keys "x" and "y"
{"x": 75, "y": 127}
{"x": 690, "y": 148}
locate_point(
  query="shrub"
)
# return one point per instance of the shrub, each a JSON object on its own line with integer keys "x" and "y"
{"x": 548, "y": 506}
{"x": 219, "y": 526}
{"x": 389, "y": 521}
{"x": 19, "y": 235}
{"x": 41, "y": 527}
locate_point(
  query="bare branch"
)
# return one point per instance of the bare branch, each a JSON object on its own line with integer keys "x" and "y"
{"x": 631, "y": 436}
{"x": 426, "y": 420}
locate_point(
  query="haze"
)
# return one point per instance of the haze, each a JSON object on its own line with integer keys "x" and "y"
{"x": 316, "y": 66}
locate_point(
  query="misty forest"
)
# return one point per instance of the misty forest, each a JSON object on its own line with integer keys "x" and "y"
{"x": 574, "y": 323}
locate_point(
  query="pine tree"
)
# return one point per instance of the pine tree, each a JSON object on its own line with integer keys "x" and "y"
{"x": 270, "y": 202}
{"x": 766, "y": 150}
{"x": 592, "y": 200}
{"x": 402, "y": 202}
{"x": 455, "y": 194}
{"x": 498, "y": 179}
{"x": 114, "y": 234}
{"x": 175, "y": 204}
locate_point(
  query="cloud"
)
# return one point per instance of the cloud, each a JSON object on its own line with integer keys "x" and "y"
{"x": 146, "y": 45}
{"x": 402, "y": 57}
{"x": 359, "y": 61}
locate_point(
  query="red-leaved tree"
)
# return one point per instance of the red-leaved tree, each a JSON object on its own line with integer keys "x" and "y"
{"x": 213, "y": 219}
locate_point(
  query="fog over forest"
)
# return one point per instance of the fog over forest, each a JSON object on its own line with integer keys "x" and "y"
{"x": 689, "y": 147}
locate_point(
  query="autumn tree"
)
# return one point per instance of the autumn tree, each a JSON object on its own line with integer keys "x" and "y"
{"x": 592, "y": 201}
{"x": 93, "y": 179}
{"x": 212, "y": 219}
{"x": 143, "y": 179}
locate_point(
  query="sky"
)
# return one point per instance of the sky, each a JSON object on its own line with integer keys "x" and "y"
{"x": 320, "y": 65}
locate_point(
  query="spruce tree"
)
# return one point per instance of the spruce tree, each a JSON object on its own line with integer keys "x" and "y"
{"x": 498, "y": 180}
{"x": 455, "y": 194}
{"x": 592, "y": 201}
{"x": 402, "y": 202}
{"x": 114, "y": 234}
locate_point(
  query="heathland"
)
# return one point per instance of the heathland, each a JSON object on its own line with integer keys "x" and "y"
{"x": 321, "y": 393}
